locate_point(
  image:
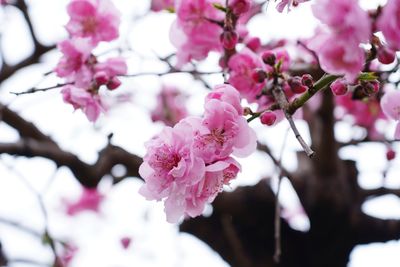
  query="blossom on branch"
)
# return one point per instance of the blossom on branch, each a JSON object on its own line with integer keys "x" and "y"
{"x": 389, "y": 23}
{"x": 187, "y": 165}
{"x": 338, "y": 46}
{"x": 96, "y": 19}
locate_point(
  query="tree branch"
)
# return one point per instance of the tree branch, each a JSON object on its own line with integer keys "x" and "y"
{"x": 34, "y": 143}
{"x": 367, "y": 229}
{"x": 380, "y": 191}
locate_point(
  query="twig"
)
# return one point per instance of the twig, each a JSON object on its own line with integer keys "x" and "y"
{"x": 171, "y": 71}
{"x": 47, "y": 237}
{"x": 280, "y": 97}
{"x": 34, "y": 89}
{"x": 277, "y": 234}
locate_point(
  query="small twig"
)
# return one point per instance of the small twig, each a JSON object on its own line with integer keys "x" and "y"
{"x": 171, "y": 71}
{"x": 21, "y": 227}
{"x": 34, "y": 89}
{"x": 277, "y": 234}
{"x": 312, "y": 52}
{"x": 280, "y": 97}
{"x": 46, "y": 234}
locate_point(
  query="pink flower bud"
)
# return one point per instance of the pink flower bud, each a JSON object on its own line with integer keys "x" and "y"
{"x": 339, "y": 87}
{"x": 101, "y": 77}
{"x": 386, "y": 55}
{"x": 253, "y": 43}
{"x": 296, "y": 85}
{"x": 259, "y": 75}
{"x": 239, "y": 7}
{"x": 229, "y": 39}
{"x": 125, "y": 242}
{"x": 114, "y": 83}
{"x": 390, "y": 154}
{"x": 371, "y": 87}
{"x": 307, "y": 80}
{"x": 269, "y": 57}
{"x": 268, "y": 118}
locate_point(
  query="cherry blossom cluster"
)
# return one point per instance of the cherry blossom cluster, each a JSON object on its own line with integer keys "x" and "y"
{"x": 187, "y": 165}
{"x": 91, "y": 21}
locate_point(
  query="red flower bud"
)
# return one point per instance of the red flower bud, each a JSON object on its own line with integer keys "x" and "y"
{"x": 229, "y": 39}
{"x": 339, "y": 87}
{"x": 268, "y": 118}
{"x": 307, "y": 80}
{"x": 390, "y": 154}
{"x": 114, "y": 83}
{"x": 239, "y": 6}
{"x": 269, "y": 57}
{"x": 386, "y": 55}
{"x": 296, "y": 85}
{"x": 371, "y": 87}
{"x": 253, "y": 43}
{"x": 259, "y": 75}
{"x": 101, "y": 77}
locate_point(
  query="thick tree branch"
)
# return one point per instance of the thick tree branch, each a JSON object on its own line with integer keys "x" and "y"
{"x": 367, "y": 229}
{"x": 34, "y": 143}
{"x": 381, "y": 191}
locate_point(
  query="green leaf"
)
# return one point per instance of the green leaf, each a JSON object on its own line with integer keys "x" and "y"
{"x": 367, "y": 76}
{"x": 219, "y": 7}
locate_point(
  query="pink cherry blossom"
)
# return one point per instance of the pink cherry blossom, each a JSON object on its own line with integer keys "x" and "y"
{"x": 90, "y": 199}
{"x": 217, "y": 175}
{"x": 223, "y": 132}
{"x": 228, "y": 94}
{"x": 389, "y": 23}
{"x": 158, "y": 5}
{"x": 338, "y": 56}
{"x": 241, "y": 67}
{"x": 281, "y": 6}
{"x": 170, "y": 107}
{"x": 79, "y": 98}
{"x": 169, "y": 167}
{"x": 390, "y": 104}
{"x": 76, "y": 52}
{"x": 193, "y": 34}
{"x": 97, "y": 19}
{"x": 338, "y": 48}
{"x": 345, "y": 18}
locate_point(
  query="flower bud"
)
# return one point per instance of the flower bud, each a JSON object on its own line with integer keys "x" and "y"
{"x": 269, "y": 57}
{"x": 296, "y": 86}
{"x": 259, "y": 75}
{"x": 339, "y": 87}
{"x": 307, "y": 80}
{"x": 253, "y": 43}
{"x": 114, "y": 83}
{"x": 101, "y": 78}
{"x": 371, "y": 87}
{"x": 390, "y": 154}
{"x": 229, "y": 39}
{"x": 239, "y": 7}
{"x": 268, "y": 118}
{"x": 386, "y": 55}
